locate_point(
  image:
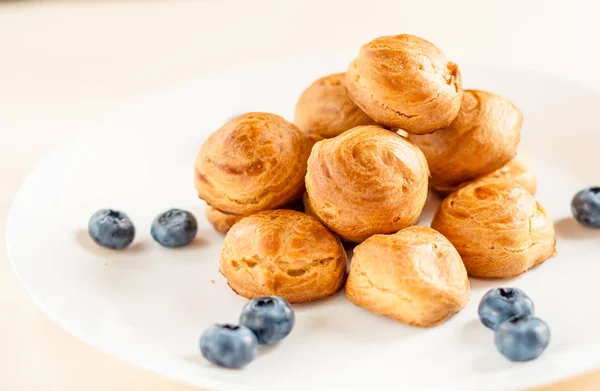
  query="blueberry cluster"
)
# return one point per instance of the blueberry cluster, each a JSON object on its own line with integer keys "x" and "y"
{"x": 115, "y": 230}
{"x": 520, "y": 336}
{"x": 263, "y": 321}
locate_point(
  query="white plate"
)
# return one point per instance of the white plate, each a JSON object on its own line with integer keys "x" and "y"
{"x": 148, "y": 305}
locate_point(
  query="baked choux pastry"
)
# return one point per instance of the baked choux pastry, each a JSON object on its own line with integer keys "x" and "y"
{"x": 256, "y": 161}
{"x": 284, "y": 253}
{"x": 414, "y": 276}
{"x": 519, "y": 169}
{"x": 366, "y": 181}
{"x": 222, "y": 222}
{"x": 497, "y": 227}
{"x": 483, "y": 138}
{"x": 405, "y": 82}
{"x": 324, "y": 110}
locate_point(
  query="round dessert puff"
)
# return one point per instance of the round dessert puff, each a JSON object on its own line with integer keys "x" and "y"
{"x": 222, "y": 222}
{"x": 520, "y": 169}
{"x": 497, "y": 227}
{"x": 284, "y": 253}
{"x": 256, "y": 161}
{"x": 324, "y": 110}
{"x": 414, "y": 276}
{"x": 405, "y": 82}
{"x": 366, "y": 181}
{"x": 483, "y": 138}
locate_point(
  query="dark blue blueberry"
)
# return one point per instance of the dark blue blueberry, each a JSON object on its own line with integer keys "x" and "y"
{"x": 270, "y": 318}
{"x": 228, "y": 346}
{"x": 522, "y": 338}
{"x": 500, "y": 304}
{"x": 111, "y": 229}
{"x": 586, "y": 207}
{"x": 174, "y": 228}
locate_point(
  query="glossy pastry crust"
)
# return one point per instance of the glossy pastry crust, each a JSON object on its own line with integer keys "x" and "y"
{"x": 498, "y": 228}
{"x": 366, "y": 181}
{"x": 405, "y": 82}
{"x": 483, "y": 138}
{"x": 414, "y": 276}
{"x": 222, "y": 222}
{"x": 324, "y": 109}
{"x": 256, "y": 161}
{"x": 284, "y": 253}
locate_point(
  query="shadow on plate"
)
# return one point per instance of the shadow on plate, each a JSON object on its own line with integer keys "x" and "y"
{"x": 330, "y": 317}
{"x": 569, "y": 228}
{"x": 197, "y": 243}
{"x": 476, "y": 335}
{"x": 198, "y": 359}
{"x": 492, "y": 361}
{"x": 87, "y": 243}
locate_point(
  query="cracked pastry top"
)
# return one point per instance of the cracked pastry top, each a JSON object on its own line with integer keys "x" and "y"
{"x": 483, "y": 138}
{"x": 324, "y": 109}
{"x": 366, "y": 181}
{"x": 497, "y": 226}
{"x": 405, "y": 82}
{"x": 254, "y": 162}
{"x": 414, "y": 276}
{"x": 284, "y": 253}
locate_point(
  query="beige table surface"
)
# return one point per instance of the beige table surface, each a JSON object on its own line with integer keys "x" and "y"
{"x": 63, "y": 65}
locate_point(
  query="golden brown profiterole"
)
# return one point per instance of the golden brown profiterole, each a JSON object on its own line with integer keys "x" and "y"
{"x": 497, "y": 226}
{"x": 414, "y": 276}
{"x": 324, "y": 110}
{"x": 284, "y": 253}
{"x": 254, "y": 162}
{"x": 366, "y": 181}
{"x": 406, "y": 82}
{"x": 483, "y": 138}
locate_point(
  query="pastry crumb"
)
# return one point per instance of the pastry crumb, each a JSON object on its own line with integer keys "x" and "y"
{"x": 212, "y": 281}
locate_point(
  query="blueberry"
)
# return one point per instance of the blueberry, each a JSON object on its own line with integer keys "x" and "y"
{"x": 111, "y": 229}
{"x": 522, "y": 338}
{"x": 228, "y": 346}
{"x": 500, "y": 304}
{"x": 270, "y": 318}
{"x": 586, "y": 207}
{"x": 174, "y": 228}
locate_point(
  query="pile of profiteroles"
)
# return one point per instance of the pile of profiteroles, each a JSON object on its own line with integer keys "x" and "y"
{"x": 356, "y": 166}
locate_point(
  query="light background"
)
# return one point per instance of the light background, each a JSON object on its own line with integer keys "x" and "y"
{"x": 64, "y": 64}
